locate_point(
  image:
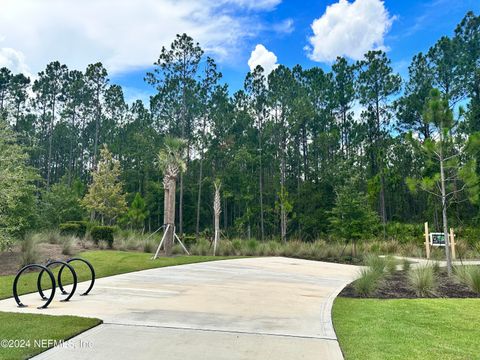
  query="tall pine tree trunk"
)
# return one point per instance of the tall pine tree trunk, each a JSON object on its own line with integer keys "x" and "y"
{"x": 260, "y": 185}
{"x": 199, "y": 198}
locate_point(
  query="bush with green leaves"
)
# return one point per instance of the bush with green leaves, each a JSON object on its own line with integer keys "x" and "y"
{"x": 103, "y": 233}
{"x": 75, "y": 228}
{"x": 423, "y": 280}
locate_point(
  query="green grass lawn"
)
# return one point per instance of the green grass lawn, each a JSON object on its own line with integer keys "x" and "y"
{"x": 408, "y": 328}
{"x": 34, "y": 332}
{"x": 106, "y": 263}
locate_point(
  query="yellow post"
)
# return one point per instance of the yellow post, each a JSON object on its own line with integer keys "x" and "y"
{"x": 452, "y": 243}
{"x": 427, "y": 241}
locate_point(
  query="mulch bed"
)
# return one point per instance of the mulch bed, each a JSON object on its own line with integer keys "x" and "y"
{"x": 396, "y": 286}
{"x": 10, "y": 261}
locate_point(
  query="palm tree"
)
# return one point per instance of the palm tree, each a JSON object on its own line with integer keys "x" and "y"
{"x": 171, "y": 163}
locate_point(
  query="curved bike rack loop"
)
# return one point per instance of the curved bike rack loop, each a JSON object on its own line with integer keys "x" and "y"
{"x": 74, "y": 275}
{"x": 60, "y": 285}
{"x": 22, "y": 270}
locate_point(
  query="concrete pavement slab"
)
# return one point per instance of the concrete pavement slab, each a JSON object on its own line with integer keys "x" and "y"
{"x": 230, "y": 309}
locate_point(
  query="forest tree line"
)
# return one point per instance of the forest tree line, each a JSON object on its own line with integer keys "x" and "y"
{"x": 287, "y": 148}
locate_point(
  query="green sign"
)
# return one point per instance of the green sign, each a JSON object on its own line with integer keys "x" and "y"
{"x": 437, "y": 239}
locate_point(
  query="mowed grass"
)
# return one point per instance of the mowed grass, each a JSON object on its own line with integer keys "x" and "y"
{"x": 34, "y": 332}
{"x": 105, "y": 262}
{"x": 408, "y": 328}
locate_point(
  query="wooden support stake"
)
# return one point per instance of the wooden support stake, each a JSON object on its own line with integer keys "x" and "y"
{"x": 452, "y": 243}
{"x": 427, "y": 241}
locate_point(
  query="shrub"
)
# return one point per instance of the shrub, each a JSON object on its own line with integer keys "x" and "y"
{"x": 83, "y": 226}
{"x": 69, "y": 229}
{"x": 29, "y": 248}
{"x": 423, "y": 280}
{"x": 367, "y": 283}
{"x": 189, "y": 240}
{"x": 470, "y": 276}
{"x": 103, "y": 233}
{"x": 406, "y": 265}
{"x": 75, "y": 228}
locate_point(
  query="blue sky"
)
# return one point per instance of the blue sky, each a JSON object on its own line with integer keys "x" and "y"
{"x": 127, "y": 35}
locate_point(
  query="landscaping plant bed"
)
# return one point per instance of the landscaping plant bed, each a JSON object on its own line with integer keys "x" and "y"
{"x": 396, "y": 286}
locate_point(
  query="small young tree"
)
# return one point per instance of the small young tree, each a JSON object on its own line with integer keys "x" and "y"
{"x": 450, "y": 171}
{"x": 352, "y": 219}
{"x": 171, "y": 163}
{"x": 137, "y": 212}
{"x": 16, "y": 186}
{"x": 105, "y": 195}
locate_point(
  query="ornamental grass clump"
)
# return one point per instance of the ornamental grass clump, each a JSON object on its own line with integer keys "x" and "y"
{"x": 367, "y": 283}
{"x": 29, "y": 250}
{"x": 423, "y": 280}
{"x": 376, "y": 264}
{"x": 470, "y": 276}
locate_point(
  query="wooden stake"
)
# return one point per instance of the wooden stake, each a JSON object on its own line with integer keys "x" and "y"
{"x": 427, "y": 241}
{"x": 452, "y": 243}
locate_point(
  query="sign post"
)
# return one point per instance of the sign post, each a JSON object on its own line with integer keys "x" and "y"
{"x": 427, "y": 241}
{"x": 452, "y": 243}
{"x": 438, "y": 240}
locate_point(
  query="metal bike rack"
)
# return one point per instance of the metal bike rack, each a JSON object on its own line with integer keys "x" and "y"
{"x": 22, "y": 270}
{"x": 64, "y": 264}
{"x": 60, "y": 285}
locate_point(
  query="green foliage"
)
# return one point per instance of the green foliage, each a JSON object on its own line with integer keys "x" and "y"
{"x": 105, "y": 195}
{"x": 351, "y": 218}
{"x": 423, "y": 280}
{"x": 76, "y": 228}
{"x": 103, "y": 233}
{"x": 17, "y": 201}
{"x": 60, "y": 204}
{"x": 137, "y": 212}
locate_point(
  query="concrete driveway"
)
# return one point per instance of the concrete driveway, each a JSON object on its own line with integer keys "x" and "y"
{"x": 257, "y": 308}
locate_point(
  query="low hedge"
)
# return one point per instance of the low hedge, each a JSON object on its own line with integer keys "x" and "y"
{"x": 103, "y": 233}
{"x": 76, "y": 228}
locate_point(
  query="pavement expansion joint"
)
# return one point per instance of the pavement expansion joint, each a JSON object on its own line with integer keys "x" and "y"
{"x": 222, "y": 331}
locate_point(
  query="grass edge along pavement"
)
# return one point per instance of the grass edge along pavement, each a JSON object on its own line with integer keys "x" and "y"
{"x": 25, "y": 335}
{"x": 407, "y": 328}
{"x": 106, "y": 263}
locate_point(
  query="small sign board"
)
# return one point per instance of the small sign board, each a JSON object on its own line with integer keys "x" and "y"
{"x": 437, "y": 239}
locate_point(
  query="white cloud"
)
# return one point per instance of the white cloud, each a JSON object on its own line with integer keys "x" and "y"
{"x": 123, "y": 34}
{"x": 261, "y": 56}
{"x": 349, "y": 29}
{"x": 284, "y": 27}
{"x": 13, "y": 60}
